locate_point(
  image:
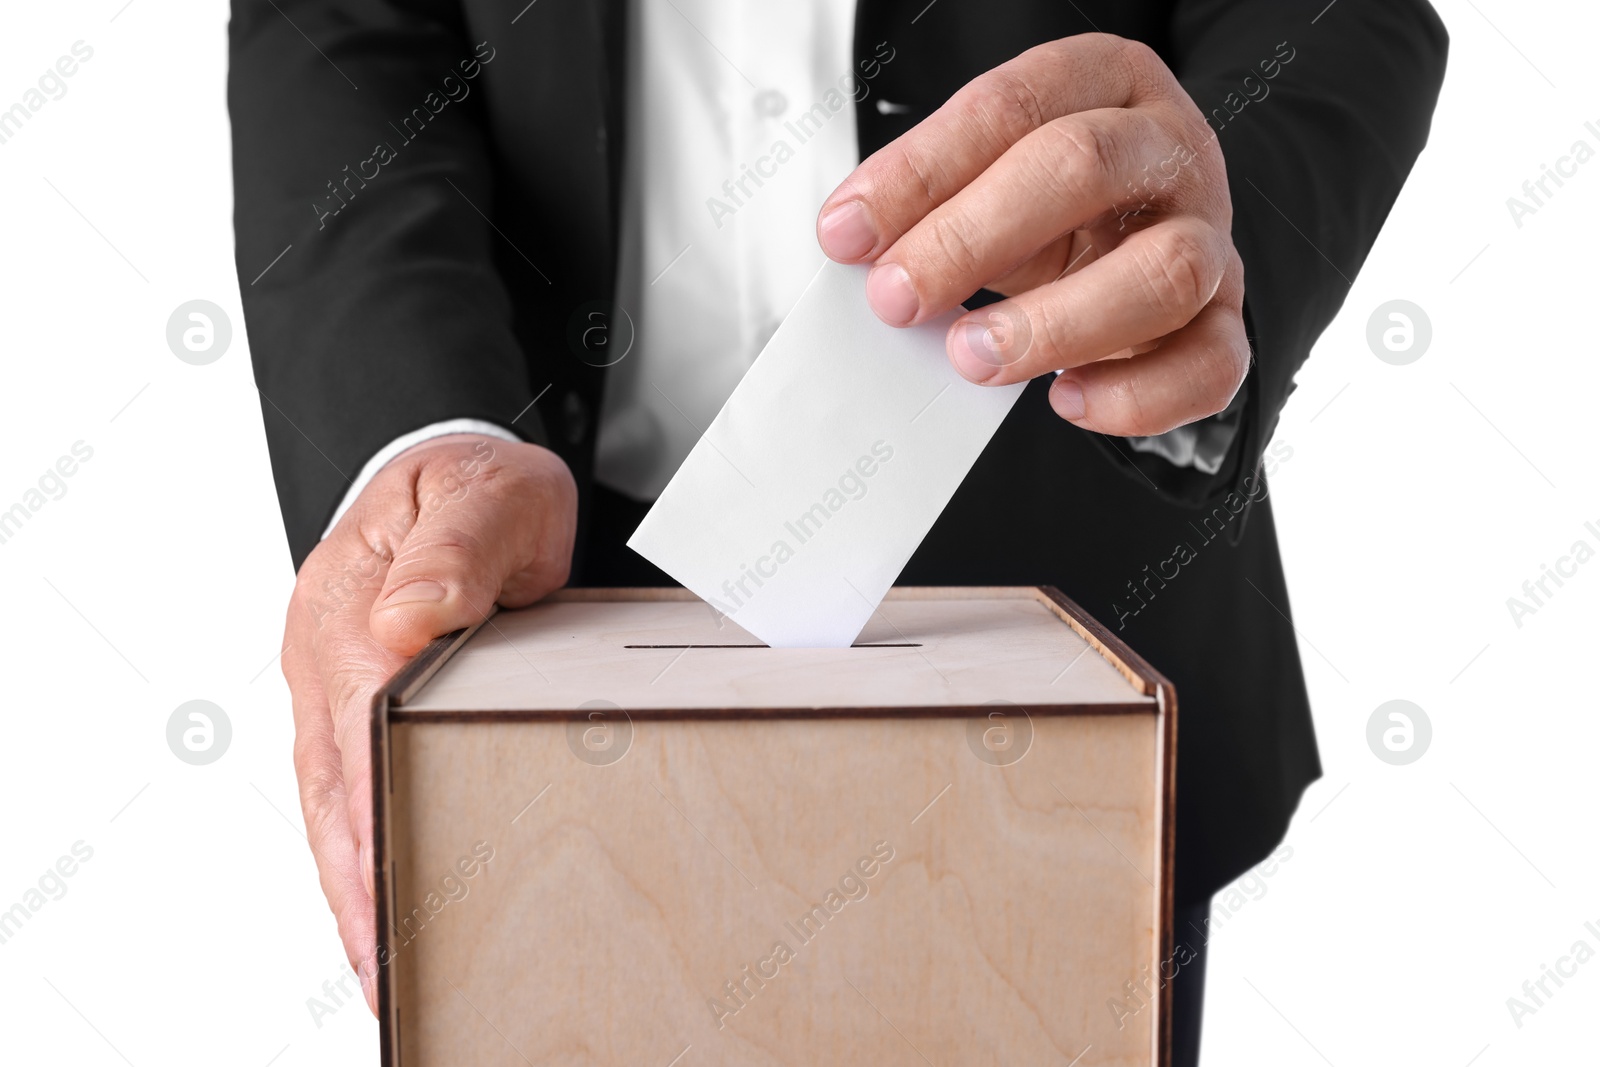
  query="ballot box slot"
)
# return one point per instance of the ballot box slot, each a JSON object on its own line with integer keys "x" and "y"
{"x": 876, "y": 644}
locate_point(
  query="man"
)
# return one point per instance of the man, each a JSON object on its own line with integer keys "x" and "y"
{"x": 1168, "y": 198}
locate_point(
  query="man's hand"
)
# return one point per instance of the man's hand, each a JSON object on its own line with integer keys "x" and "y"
{"x": 441, "y": 534}
{"x": 1080, "y": 181}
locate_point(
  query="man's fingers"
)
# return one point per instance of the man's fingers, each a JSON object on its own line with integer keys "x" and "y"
{"x": 900, "y": 183}
{"x": 334, "y": 668}
{"x": 1191, "y": 374}
{"x": 1152, "y": 284}
{"x": 351, "y": 667}
{"x": 323, "y": 804}
{"x": 333, "y": 684}
{"x": 1059, "y": 177}
{"x": 499, "y": 530}
{"x": 337, "y": 583}
{"x": 323, "y": 800}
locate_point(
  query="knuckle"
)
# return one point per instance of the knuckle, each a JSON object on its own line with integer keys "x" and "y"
{"x": 1004, "y": 102}
{"x": 921, "y": 172}
{"x": 1137, "y": 53}
{"x": 1147, "y": 72}
{"x": 958, "y": 248}
{"x": 1082, "y": 150}
{"x": 1136, "y": 421}
{"x": 1050, "y": 342}
{"x": 449, "y": 479}
{"x": 377, "y": 525}
{"x": 1177, "y": 274}
{"x": 1124, "y": 412}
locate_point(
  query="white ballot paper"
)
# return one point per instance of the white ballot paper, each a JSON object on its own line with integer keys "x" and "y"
{"x": 815, "y": 483}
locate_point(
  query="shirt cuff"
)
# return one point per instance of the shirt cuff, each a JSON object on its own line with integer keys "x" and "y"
{"x": 388, "y": 452}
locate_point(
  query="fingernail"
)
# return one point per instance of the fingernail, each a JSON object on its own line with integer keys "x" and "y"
{"x": 891, "y": 294}
{"x": 846, "y": 232}
{"x": 367, "y": 873}
{"x": 424, "y": 591}
{"x": 1066, "y": 396}
{"x": 974, "y": 353}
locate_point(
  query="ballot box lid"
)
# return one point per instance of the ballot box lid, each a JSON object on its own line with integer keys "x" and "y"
{"x": 664, "y": 652}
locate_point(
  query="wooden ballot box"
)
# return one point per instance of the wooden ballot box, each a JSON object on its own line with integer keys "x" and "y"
{"x": 613, "y": 828}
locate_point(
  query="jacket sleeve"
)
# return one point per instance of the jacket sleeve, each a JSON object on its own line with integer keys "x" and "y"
{"x": 1319, "y": 118}
{"x": 362, "y": 183}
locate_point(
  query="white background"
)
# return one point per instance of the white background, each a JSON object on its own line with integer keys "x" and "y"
{"x": 1417, "y": 899}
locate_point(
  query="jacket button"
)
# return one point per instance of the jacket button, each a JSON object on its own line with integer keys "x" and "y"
{"x": 574, "y": 417}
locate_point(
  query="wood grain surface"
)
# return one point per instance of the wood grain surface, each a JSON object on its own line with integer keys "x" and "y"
{"x": 621, "y": 899}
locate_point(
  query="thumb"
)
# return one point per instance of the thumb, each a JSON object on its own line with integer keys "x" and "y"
{"x": 502, "y": 533}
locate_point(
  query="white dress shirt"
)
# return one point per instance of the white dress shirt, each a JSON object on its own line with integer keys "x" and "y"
{"x": 740, "y": 123}
{"x": 732, "y": 147}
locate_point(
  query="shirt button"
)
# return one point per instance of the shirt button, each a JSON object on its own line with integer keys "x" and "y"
{"x": 770, "y": 103}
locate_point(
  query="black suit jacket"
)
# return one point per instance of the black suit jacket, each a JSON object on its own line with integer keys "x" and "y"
{"x": 439, "y": 280}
